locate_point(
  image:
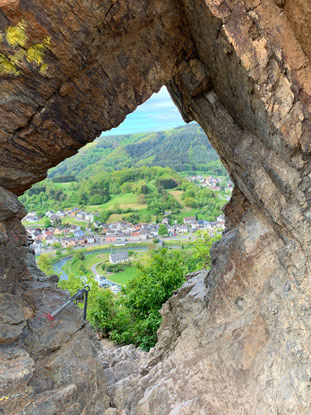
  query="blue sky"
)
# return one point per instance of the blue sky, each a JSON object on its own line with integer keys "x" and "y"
{"x": 158, "y": 113}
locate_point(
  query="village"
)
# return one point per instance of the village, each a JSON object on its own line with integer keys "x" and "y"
{"x": 63, "y": 235}
{"x": 211, "y": 182}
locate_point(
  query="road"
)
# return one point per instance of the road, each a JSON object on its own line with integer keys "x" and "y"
{"x": 94, "y": 270}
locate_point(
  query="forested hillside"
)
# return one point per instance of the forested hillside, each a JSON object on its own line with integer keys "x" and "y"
{"x": 137, "y": 194}
{"x": 184, "y": 148}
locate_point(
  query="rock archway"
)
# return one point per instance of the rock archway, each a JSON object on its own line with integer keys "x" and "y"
{"x": 237, "y": 340}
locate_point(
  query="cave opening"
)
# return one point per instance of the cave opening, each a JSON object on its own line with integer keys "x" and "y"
{"x": 132, "y": 190}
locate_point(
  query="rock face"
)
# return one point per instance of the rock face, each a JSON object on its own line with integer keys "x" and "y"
{"x": 235, "y": 341}
{"x": 46, "y": 367}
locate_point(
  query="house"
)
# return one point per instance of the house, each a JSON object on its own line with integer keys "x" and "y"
{"x": 68, "y": 242}
{"x": 143, "y": 235}
{"x": 49, "y": 213}
{"x": 80, "y": 215}
{"x": 90, "y": 239}
{"x": 207, "y": 225}
{"x": 31, "y": 217}
{"x": 118, "y": 257}
{"x": 110, "y": 238}
{"x": 37, "y": 232}
{"x": 201, "y": 224}
{"x": 135, "y": 236}
{"x": 89, "y": 217}
{"x": 189, "y": 220}
{"x": 78, "y": 233}
{"x": 195, "y": 225}
{"x": 74, "y": 211}
{"x": 49, "y": 239}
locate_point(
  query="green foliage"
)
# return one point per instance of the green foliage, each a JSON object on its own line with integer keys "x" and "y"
{"x": 47, "y": 223}
{"x": 134, "y": 316}
{"x": 44, "y": 263}
{"x": 166, "y": 182}
{"x": 64, "y": 179}
{"x": 190, "y": 202}
{"x": 162, "y": 230}
{"x": 181, "y": 149}
{"x": 115, "y": 267}
{"x": 79, "y": 256}
{"x": 75, "y": 283}
{"x": 103, "y": 216}
{"x": 103, "y": 316}
{"x": 56, "y": 245}
{"x": 202, "y": 246}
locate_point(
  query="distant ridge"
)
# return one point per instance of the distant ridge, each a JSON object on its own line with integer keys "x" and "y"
{"x": 185, "y": 148}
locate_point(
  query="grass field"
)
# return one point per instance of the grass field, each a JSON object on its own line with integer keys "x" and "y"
{"x": 125, "y": 201}
{"x": 38, "y": 224}
{"x": 73, "y": 221}
{"x": 177, "y": 195}
{"x": 124, "y": 276}
{"x": 187, "y": 212}
{"x": 92, "y": 259}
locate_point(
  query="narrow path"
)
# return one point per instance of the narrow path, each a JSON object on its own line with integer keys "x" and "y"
{"x": 98, "y": 277}
{"x": 94, "y": 270}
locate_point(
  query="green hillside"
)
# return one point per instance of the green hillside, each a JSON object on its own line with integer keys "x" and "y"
{"x": 134, "y": 194}
{"x": 185, "y": 148}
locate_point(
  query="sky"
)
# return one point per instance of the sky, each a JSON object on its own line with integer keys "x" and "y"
{"x": 158, "y": 113}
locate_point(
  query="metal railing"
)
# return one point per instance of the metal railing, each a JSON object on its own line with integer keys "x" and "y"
{"x": 80, "y": 296}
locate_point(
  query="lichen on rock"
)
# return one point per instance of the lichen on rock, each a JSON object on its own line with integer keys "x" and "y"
{"x": 16, "y": 35}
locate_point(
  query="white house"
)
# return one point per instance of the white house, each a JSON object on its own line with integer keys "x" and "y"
{"x": 49, "y": 213}
{"x": 31, "y": 217}
{"x": 118, "y": 256}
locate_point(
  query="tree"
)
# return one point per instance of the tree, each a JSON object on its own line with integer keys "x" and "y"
{"x": 126, "y": 187}
{"x": 79, "y": 256}
{"x": 144, "y": 295}
{"x": 58, "y": 253}
{"x": 141, "y": 199}
{"x": 202, "y": 247}
{"x": 44, "y": 263}
{"x": 134, "y": 316}
{"x": 56, "y": 245}
{"x": 102, "y": 316}
{"x": 57, "y": 222}
{"x": 162, "y": 230}
{"x": 47, "y": 223}
{"x": 103, "y": 216}
{"x": 190, "y": 202}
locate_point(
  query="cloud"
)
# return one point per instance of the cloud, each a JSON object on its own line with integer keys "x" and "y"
{"x": 158, "y": 113}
